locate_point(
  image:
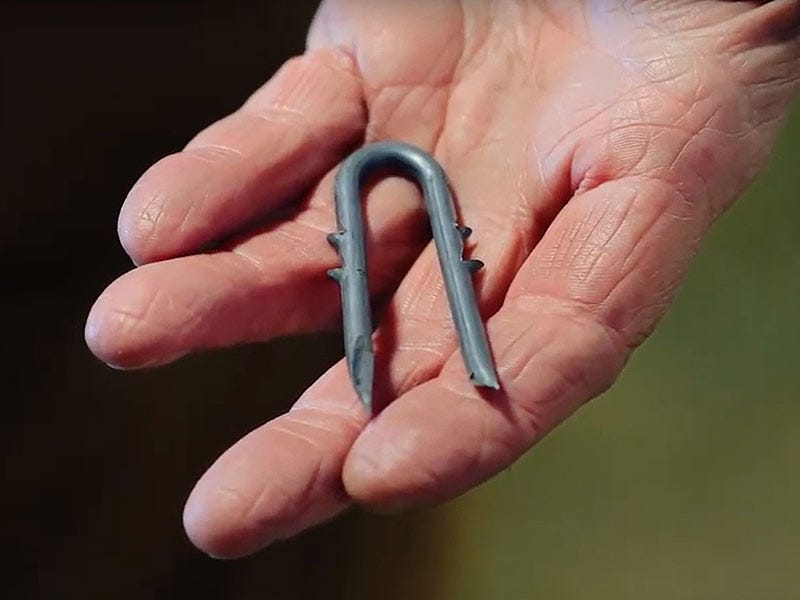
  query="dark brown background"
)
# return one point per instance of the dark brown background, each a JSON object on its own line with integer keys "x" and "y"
{"x": 97, "y": 463}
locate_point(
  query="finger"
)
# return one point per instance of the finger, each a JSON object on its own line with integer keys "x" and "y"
{"x": 280, "y": 479}
{"x": 269, "y": 284}
{"x": 775, "y": 22}
{"x": 286, "y": 135}
{"x": 590, "y": 292}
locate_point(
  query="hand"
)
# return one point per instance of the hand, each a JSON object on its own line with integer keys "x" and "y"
{"x": 590, "y": 146}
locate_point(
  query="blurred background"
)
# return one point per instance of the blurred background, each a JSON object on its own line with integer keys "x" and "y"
{"x": 682, "y": 482}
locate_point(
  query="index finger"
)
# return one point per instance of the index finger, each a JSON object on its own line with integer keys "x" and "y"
{"x": 288, "y": 134}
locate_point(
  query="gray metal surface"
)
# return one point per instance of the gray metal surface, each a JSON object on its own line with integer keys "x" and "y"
{"x": 449, "y": 238}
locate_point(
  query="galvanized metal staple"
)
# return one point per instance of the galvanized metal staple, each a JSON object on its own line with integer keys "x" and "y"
{"x": 448, "y": 237}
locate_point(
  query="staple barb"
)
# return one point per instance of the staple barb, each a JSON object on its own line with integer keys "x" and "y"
{"x": 473, "y": 265}
{"x": 336, "y": 274}
{"x": 449, "y": 238}
{"x": 334, "y": 239}
{"x": 464, "y": 231}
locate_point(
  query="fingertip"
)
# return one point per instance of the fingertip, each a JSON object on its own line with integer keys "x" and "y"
{"x": 430, "y": 445}
{"x": 393, "y": 464}
{"x": 101, "y": 335}
{"x": 277, "y": 481}
{"x": 213, "y": 523}
{"x": 150, "y": 221}
{"x": 377, "y": 488}
{"x": 134, "y": 232}
{"x": 118, "y": 330}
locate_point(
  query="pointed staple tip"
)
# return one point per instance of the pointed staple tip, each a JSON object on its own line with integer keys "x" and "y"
{"x": 362, "y": 382}
{"x": 485, "y": 378}
{"x": 464, "y": 231}
{"x": 365, "y": 395}
{"x": 335, "y": 274}
{"x": 361, "y": 365}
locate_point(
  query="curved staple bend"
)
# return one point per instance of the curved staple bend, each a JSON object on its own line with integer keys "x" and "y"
{"x": 449, "y": 238}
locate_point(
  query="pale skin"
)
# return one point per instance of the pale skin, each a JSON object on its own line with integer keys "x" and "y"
{"x": 590, "y": 146}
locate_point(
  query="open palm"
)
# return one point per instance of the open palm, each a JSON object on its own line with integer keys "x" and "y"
{"x": 589, "y": 145}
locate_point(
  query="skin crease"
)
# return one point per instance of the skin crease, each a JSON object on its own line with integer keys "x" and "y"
{"x": 590, "y": 145}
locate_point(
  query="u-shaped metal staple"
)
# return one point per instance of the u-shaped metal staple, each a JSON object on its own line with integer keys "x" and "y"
{"x": 449, "y": 238}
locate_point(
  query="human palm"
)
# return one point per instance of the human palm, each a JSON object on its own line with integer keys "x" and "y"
{"x": 589, "y": 145}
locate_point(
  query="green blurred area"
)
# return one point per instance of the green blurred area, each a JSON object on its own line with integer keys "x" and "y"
{"x": 681, "y": 482}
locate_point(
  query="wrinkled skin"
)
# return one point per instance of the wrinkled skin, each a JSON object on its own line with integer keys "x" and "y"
{"x": 590, "y": 146}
